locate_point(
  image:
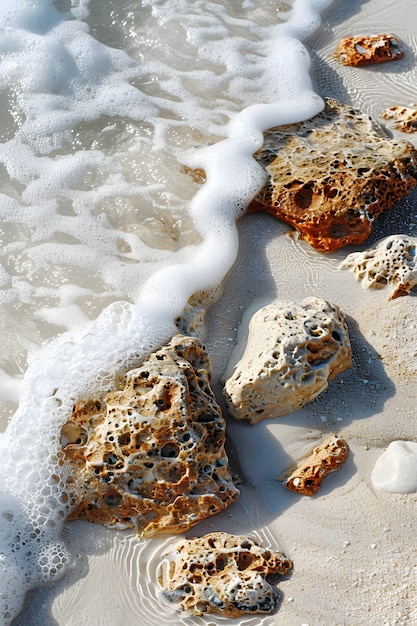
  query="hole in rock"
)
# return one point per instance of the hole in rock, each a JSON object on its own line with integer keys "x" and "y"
{"x": 72, "y": 434}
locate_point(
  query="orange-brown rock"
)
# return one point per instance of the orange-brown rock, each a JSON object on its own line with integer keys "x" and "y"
{"x": 222, "y": 574}
{"x": 151, "y": 456}
{"x": 328, "y": 457}
{"x": 357, "y": 51}
{"x": 331, "y": 176}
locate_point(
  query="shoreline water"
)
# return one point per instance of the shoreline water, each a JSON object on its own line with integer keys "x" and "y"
{"x": 292, "y": 520}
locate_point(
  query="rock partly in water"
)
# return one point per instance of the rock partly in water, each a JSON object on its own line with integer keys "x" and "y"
{"x": 151, "y": 456}
{"x": 368, "y": 50}
{"x": 391, "y": 262}
{"x": 223, "y": 574}
{"x": 328, "y": 457}
{"x": 292, "y": 351}
{"x": 331, "y": 176}
{"x": 402, "y": 118}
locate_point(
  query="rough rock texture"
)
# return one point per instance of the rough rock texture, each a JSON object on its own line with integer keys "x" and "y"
{"x": 328, "y": 457}
{"x": 369, "y": 50}
{"x": 391, "y": 262}
{"x": 331, "y": 176}
{"x": 292, "y": 351}
{"x": 151, "y": 456}
{"x": 223, "y": 574}
{"x": 403, "y": 118}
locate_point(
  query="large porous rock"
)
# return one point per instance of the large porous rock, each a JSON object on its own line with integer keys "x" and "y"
{"x": 332, "y": 175}
{"x": 151, "y": 456}
{"x": 223, "y": 574}
{"x": 292, "y": 351}
{"x": 392, "y": 262}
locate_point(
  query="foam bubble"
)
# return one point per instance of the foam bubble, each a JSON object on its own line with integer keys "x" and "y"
{"x": 396, "y": 469}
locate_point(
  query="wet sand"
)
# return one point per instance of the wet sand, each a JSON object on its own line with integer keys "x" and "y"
{"x": 353, "y": 548}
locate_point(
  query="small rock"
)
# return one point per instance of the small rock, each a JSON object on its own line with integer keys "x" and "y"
{"x": 292, "y": 351}
{"x": 331, "y": 176}
{"x": 325, "y": 458}
{"x": 357, "y": 51}
{"x": 395, "y": 470}
{"x": 391, "y": 262}
{"x": 151, "y": 456}
{"x": 223, "y": 574}
{"x": 403, "y": 118}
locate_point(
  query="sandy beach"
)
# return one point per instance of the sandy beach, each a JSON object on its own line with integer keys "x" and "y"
{"x": 353, "y": 548}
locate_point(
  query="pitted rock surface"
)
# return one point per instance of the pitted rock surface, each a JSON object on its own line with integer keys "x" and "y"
{"x": 392, "y": 262}
{"x": 223, "y": 574}
{"x": 331, "y": 176}
{"x": 292, "y": 351}
{"x": 151, "y": 456}
{"x": 357, "y": 51}
{"x": 327, "y": 457}
{"x": 402, "y": 118}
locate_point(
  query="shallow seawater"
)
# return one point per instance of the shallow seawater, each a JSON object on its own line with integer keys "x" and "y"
{"x": 105, "y": 234}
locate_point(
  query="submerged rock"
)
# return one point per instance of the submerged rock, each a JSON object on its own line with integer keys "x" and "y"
{"x": 391, "y": 262}
{"x": 151, "y": 456}
{"x": 223, "y": 574}
{"x": 292, "y": 351}
{"x": 331, "y": 176}
{"x": 327, "y": 457}
{"x": 370, "y": 50}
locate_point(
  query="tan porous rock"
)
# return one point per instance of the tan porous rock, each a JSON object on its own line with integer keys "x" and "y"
{"x": 292, "y": 351}
{"x": 402, "y": 118}
{"x": 368, "y": 50}
{"x": 392, "y": 262}
{"x": 331, "y": 176}
{"x": 327, "y": 457}
{"x": 151, "y": 456}
{"x": 223, "y": 574}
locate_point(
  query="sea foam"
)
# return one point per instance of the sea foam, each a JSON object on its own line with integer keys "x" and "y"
{"x": 87, "y": 123}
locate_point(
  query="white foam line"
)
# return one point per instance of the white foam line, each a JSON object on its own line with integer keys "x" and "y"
{"x": 130, "y": 332}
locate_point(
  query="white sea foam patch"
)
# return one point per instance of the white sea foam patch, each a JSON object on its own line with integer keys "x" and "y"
{"x": 57, "y": 199}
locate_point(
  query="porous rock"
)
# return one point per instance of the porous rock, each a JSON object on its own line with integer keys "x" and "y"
{"x": 368, "y": 50}
{"x": 223, "y": 574}
{"x": 327, "y": 457}
{"x": 391, "y": 262}
{"x": 292, "y": 351}
{"x": 332, "y": 175}
{"x": 402, "y": 118}
{"x": 151, "y": 456}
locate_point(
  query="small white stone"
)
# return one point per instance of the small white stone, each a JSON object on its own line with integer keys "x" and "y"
{"x": 396, "y": 469}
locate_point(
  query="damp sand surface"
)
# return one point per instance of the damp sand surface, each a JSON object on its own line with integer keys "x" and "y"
{"x": 353, "y": 548}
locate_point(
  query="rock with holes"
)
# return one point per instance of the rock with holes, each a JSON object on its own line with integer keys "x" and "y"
{"x": 223, "y": 574}
{"x": 392, "y": 262}
{"x": 331, "y": 176}
{"x": 402, "y": 118}
{"x": 291, "y": 353}
{"x": 328, "y": 457}
{"x": 368, "y": 50}
{"x": 151, "y": 455}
